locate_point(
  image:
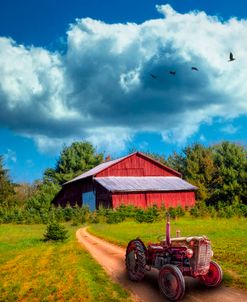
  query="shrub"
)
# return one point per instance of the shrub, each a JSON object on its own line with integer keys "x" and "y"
{"x": 229, "y": 211}
{"x": 199, "y": 210}
{"x": 114, "y": 217}
{"x": 180, "y": 211}
{"x": 212, "y": 211}
{"x": 149, "y": 215}
{"x": 56, "y": 232}
{"x": 68, "y": 213}
{"x": 243, "y": 210}
{"x": 140, "y": 216}
{"x": 176, "y": 212}
{"x": 78, "y": 215}
{"x": 58, "y": 213}
{"x": 94, "y": 217}
{"x": 127, "y": 211}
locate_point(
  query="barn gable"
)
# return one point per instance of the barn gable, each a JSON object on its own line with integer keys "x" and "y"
{"x": 135, "y": 164}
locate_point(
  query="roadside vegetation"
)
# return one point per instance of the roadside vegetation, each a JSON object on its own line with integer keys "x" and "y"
{"x": 228, "y": 238}
{"x": 35, "y": 270}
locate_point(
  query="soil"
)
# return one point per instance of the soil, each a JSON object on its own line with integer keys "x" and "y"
{"x": 111, "y": 258}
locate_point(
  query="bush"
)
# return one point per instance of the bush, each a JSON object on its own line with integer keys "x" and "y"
{"x": 127, "y": 211}
{"x": 176, "y": 212}
{"x": 56, "y": 232}
{"x": 78, "y": 215}
{"x": 199, "y": 210}
{"x": 180, "y": 211}
{"x": 140, "y": 216}
{"x": 68, "y": 213}
{"x": 150, "y": 215}
{"x": 94, "y": 217}
{"x": 195, "y": 212}
{"x": 243, "y": 210}
{"x": 212, "y": 211}
{"x": 230, "y": 211}
{"x": 114, "y": 217}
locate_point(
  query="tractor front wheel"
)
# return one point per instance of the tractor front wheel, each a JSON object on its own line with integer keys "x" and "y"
{"x": 135, "y": 260}
{"x": 171, "y": 282}
{"x": 214, "y": 275}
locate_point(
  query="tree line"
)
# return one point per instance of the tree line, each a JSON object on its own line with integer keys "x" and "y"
{"x": 219, "y": 171}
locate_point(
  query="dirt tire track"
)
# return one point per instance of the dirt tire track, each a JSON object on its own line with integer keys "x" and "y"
{"x": 111, "y": 258}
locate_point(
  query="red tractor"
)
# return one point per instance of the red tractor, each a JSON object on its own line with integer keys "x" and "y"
{"x": 174, "y": 258}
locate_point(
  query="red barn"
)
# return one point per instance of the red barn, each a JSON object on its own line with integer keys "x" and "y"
{"x": 135, "y": 179}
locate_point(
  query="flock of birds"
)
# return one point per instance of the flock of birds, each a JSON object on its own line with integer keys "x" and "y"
{"x": 173, "y": 72}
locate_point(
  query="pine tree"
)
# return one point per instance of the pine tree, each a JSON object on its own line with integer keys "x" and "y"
{"x": 229, "y": 180}
{"x": 6, "y": 186}
{"x": 73, "y": 161}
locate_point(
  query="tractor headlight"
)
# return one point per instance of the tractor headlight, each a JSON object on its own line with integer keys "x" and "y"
{"x": 189, "y": 253}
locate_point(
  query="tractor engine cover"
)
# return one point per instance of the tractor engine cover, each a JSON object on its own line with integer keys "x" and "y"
{"x": 202, "y": 252}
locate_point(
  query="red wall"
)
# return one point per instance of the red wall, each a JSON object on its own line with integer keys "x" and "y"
{"x": 171, "y": 199}
{"x": 137, "y": 165}
{"x": 135, "y": 199}
{"x": 168, "y": 199}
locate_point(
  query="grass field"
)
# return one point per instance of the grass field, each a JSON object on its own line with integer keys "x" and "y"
{"x": 228, "y": 236}
{"x": 33, "y": 270}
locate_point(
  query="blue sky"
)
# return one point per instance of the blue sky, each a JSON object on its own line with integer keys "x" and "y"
{"x": 73, "y": 70}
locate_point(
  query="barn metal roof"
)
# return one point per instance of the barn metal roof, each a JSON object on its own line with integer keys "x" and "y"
{"x": 146, "y": 183}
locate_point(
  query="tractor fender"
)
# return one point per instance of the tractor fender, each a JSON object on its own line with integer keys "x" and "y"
{"x": 140, "y": 241}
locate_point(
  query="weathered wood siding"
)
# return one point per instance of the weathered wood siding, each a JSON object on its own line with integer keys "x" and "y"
{"x": 103, "y": 197}
{"x": 145, "y": 199}
{"x": 137, "y": 165}
{"x": 71, "y": 193}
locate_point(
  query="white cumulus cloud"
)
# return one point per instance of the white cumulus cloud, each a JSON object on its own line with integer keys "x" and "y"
{"x": 101, "y": 88}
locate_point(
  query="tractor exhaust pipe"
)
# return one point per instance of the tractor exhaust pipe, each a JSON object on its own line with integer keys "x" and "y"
{"x": 168, "y": 230}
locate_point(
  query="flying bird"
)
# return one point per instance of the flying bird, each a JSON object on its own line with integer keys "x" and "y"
{"x": 153, "y": 76}
{"x": 231, "y": 58}
{"x": 172, "y": 72}
{"x": 195, "y": 68}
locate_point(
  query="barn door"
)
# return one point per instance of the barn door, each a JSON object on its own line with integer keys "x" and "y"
{"x": 88, "y": 199}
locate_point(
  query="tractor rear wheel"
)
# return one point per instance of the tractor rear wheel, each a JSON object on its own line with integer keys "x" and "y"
{"x": 171, "y": 282}
{"x": 135, "y": 260}
{"x": 214, "y": 275}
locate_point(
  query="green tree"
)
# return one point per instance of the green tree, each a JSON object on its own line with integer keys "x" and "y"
{"x": 73, "y": 161}
{"x": 23, "y": 192}
{"x": 229, "y": 183}
{"x": 41, "y": 199}
{"x": 176, "y": 161}
{"x": 199, "y": 169}
{"x": 196, "y": 164}
{"x": 6, "y": 186}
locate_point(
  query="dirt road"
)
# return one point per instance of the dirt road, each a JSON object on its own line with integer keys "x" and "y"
{"x": 111, "y": 257}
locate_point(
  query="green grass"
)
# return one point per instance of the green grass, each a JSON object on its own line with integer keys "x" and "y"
{"x": 228, "y": 236}
{"x": 33, "y": 270}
